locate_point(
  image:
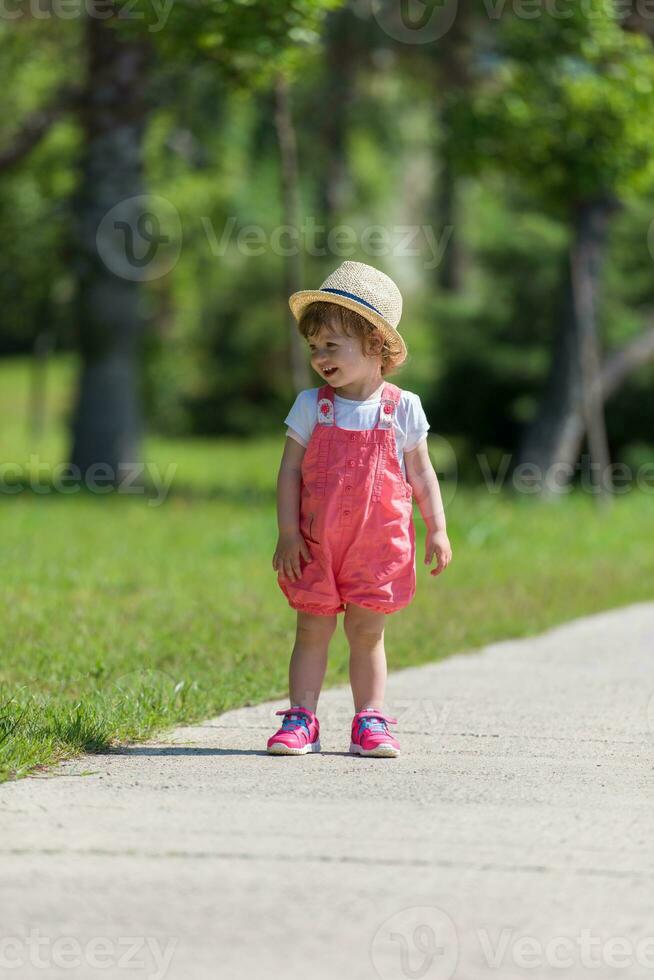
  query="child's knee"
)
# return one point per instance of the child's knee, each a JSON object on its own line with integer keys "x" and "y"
{"x": 316, "y": 625}
{"x": 363, "y": 622}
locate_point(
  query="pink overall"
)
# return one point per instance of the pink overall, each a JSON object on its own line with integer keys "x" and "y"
{"x": 356, "y": 515}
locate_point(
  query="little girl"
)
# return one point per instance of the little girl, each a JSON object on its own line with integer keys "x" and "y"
{"x": 355, "y": 458}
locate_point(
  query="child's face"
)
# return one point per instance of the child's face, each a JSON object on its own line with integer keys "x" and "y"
{"x": 332, "y": 349}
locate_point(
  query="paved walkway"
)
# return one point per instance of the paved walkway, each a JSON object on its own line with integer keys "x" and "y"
{"x": 513, "y": 838}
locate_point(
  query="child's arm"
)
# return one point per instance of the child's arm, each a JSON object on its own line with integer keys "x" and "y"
{"x": 290, "y": 543}
{"x": 427, "y": 492}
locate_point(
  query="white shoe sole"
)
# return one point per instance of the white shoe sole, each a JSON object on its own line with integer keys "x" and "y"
{"x": 278, "y": 748}
{"x": 385, "y": 751}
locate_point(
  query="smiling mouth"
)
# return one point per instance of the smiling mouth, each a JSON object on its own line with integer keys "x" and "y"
{"x": 329, "y": 371}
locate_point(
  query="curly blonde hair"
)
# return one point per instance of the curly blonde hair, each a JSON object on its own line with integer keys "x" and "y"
{"x": 373, "y": 341}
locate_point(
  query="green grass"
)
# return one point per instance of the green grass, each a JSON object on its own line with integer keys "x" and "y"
{"x": 119, "y": 618}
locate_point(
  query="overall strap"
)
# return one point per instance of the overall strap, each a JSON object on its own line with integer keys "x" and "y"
{"x": 389, "y": 401}
{"x": 325, "y": 406}
{"x": 325, "y": 417}
{"x": 390, "y": 398}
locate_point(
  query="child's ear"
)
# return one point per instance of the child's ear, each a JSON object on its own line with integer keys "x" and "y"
{"x": 375, "y": 343}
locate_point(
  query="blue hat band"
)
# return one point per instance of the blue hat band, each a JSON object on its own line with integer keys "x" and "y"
{"x": 341, "y": 292}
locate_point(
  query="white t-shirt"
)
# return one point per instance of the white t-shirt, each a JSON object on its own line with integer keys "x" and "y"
{"x": 410, "y": 425}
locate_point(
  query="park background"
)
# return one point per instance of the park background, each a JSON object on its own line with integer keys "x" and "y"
{"x": 169, "y": 173}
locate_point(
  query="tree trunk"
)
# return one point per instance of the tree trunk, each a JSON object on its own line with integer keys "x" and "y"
{"x": 586, "y": 259}
{"x": 107, "y": 423}
{"x": 572, "y": 390}
{"x": 338, "y": 93}
{"x": 451, "y": 270}
{"x": 291, "y": 207}
{"x": 37, "y": 125}
{"x": 454, "y": 54}
{"x": 615, "y": 371}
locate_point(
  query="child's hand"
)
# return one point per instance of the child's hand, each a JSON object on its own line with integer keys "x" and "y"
{"x": 286, "y": 560}
{"x": 437, "y": 543}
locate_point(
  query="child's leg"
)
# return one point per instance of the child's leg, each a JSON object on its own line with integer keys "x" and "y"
{"x": 309, "y": 659}
{"x": 364, "y": 629}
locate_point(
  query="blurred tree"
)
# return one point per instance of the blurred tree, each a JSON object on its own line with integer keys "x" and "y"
{"x": 342, "y": 55}
{"x": 449, "y": 68}
{"x": 114, "y": 107}
{"x": 39, "y": 142}
{"x": 37, "y": 145}
{"x": 436, "y": 45}
{"x": 453, "y": 73}
{"x": 245, "y": 42}
{"x": 290, "y": 191}
{"x": 566, "y": 109}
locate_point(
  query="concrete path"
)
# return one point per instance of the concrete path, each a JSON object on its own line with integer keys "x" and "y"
{"x": 513, "y": 838}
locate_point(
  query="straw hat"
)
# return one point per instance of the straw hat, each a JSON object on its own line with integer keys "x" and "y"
{"x": 363, "y": 289}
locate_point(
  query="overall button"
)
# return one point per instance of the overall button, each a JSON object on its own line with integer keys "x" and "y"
{"x": 346, "y": 513}
{"x": 348, "y": 488}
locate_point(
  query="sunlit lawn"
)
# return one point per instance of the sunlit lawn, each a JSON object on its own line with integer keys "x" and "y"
{"x": 120, "y": 617}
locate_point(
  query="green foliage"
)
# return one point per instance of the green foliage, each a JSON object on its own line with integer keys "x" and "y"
{"x": 246, "y": 41}
{"x": 35, "y": 281}
{"x": 493, "y": 342}
{"x": 495, "y": 337}
{"x": 566, "y": 107}
{"x": 36, "y": 57}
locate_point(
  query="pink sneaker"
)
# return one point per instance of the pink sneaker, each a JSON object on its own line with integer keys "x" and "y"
{"x": 299, "y": 734}
{"x": 370, "y": 734}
